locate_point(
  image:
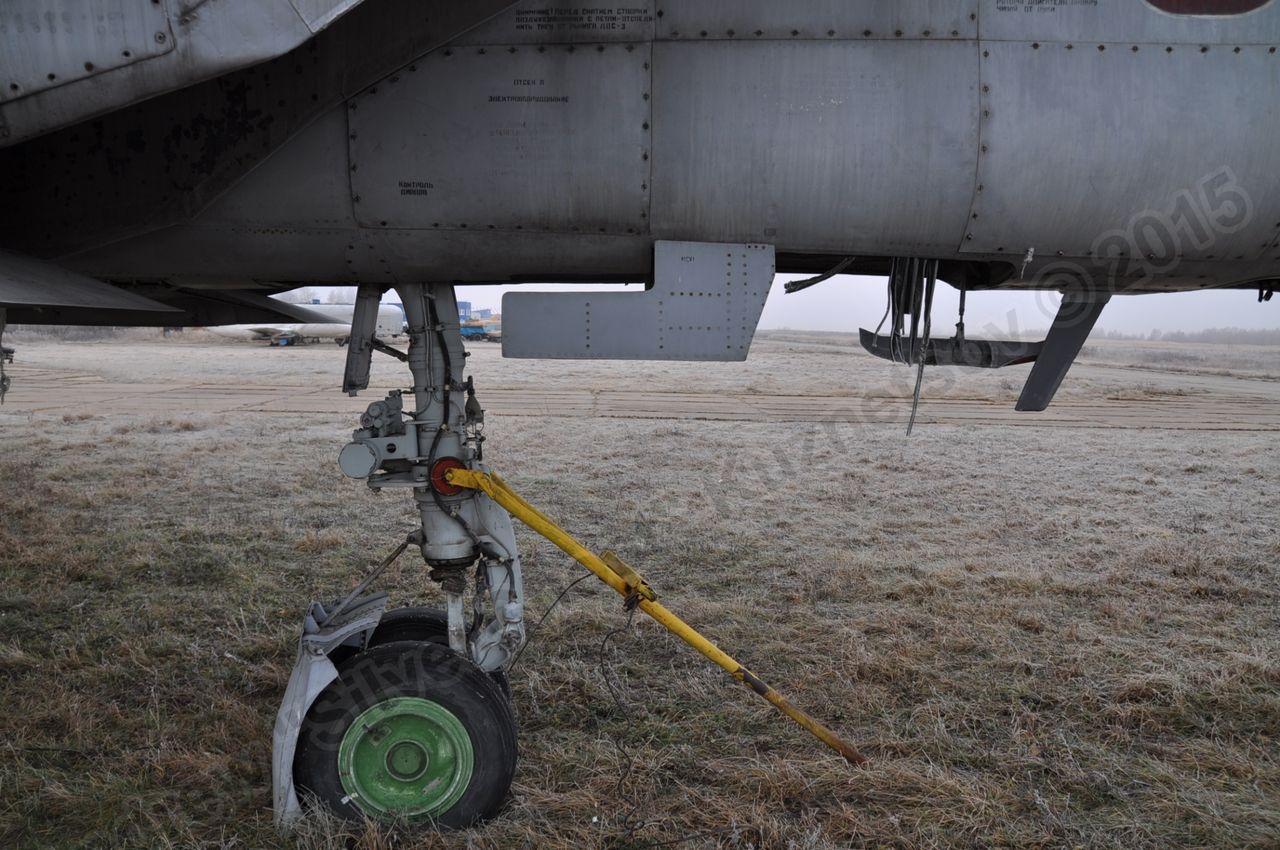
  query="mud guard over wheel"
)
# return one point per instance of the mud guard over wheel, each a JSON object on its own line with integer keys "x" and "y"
{"x": 322, "y": 632}
{"x": 412, "y": 624}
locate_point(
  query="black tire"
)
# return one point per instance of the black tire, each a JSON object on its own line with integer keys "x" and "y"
{"x": 410, "y": 669}
{"x": 413, "y": 624}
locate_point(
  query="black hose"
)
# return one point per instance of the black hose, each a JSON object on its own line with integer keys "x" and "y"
{"x": 797, "y": 285}
{"x": 433, "y": 319}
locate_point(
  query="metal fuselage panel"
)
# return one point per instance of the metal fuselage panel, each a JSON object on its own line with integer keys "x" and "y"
{"x": 560, "y": 143}
{"x": 63, "y": 61}
{"x": 830, "y": 146}
{"x": 1121, "y": 128}
{"x": 505, "y": 137}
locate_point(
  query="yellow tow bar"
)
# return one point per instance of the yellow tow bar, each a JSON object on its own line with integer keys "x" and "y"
{"x": 614, "y": 572}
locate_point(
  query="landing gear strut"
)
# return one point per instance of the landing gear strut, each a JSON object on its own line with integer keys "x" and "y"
{"x": 396, "y": 716}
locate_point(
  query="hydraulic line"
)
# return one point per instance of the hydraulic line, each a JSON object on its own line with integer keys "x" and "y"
{"x": 930, "y": 269}
{"x": 798, "y": 285}
{"x": 637, "y": 593}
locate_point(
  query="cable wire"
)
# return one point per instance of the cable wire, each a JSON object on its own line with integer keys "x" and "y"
{"x": 797, "y": 285}
{"x": 931, "y": 268}
{"x": 547, "y": 613}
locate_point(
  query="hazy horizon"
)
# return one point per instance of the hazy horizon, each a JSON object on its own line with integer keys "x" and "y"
{"x": 848, "y": 302}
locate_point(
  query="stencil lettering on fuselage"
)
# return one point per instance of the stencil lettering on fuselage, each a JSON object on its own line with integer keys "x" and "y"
{"x": 540, "y": 23}
{"x": 501, "y": 137}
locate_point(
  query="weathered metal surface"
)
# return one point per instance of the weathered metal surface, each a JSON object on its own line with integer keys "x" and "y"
{"x": 49, "y": 47}
{"x": 364, "y": 325}
{"x": 533, "y": 22}
{"x": 829, "y": 142}
{"x": 274, "y": 255}
{"x": 818, "y": 19}
{"x": 1076, "y": 317}
{"x": 43, "y": 293}
{"x": 318, "y": 14}
{"x": 312, "y": 673}
{"x": 197, "y": 42}
{"x": 1096, "y": 153}
{"x": 484, "y": 255}
{"x": 48, "y": 43}
{"x": 1112, "y": 21}
{"x": 554, "y": 139}
{"x": 704, "y": 304}
{"x": 305, "y": 185}
{"x": 844, "y": 147}
{"x": 979, "y": 353}
{"x": 29, "y": 283}
{"x": 159, "y": 162}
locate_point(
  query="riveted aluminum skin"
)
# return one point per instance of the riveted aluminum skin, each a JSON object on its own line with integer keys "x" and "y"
{"x": 850, "y": 146}
{"x": 1129, "y": 21}
{"x": 1103, "y": 136}
{"x": 50, "y": 43}
{"x": 704, "y": 304}
{"x": 506, "y": 138}
{"x": 497, "y": 142}
{"x": 535, "y": 23}
{"x": 818, "y": 19}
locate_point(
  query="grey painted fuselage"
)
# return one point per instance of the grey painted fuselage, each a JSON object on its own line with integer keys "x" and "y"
{"x": 1109, "y": 143}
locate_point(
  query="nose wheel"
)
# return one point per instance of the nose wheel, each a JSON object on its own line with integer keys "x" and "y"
{"x": 409, "y": 732}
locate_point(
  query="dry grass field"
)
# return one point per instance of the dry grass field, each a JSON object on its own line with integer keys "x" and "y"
{"x": 1058, "y": 635}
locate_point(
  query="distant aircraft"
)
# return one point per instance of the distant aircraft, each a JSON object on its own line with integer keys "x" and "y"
{"x": 390, "y": 325}
{"x": 173, "y": 163}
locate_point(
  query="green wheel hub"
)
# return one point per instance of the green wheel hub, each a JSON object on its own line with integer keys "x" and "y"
{"x": 408, "y": 757}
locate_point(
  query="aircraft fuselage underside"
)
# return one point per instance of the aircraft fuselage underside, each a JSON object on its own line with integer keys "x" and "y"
{"x": 560, "y": 144}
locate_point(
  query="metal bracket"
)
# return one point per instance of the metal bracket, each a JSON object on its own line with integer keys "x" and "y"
{"x": 1076, "y": 317}
{"x": 635, "y": 583}
{"x": 364, "y": 324}
{"x": 704, "y": 304}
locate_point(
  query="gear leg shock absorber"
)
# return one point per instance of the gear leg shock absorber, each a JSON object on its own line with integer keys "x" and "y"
{"x": 449, "y": 545}
{"x": 416, "y": 449}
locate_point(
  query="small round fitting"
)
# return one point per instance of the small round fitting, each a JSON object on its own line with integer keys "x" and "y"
{"x": 439, "y": 471}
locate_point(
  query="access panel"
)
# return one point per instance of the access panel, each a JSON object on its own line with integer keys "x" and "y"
{"x": 506, "y": 138}
{"x": 704, "y": 304}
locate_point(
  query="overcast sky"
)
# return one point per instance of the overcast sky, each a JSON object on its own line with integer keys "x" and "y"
{"x": 846, "y": 303}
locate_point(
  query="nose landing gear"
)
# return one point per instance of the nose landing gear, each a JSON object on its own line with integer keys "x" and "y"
{"x": 405, "y": 716}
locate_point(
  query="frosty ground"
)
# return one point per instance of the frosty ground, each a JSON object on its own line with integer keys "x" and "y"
{"x": 1050, "y": 635}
